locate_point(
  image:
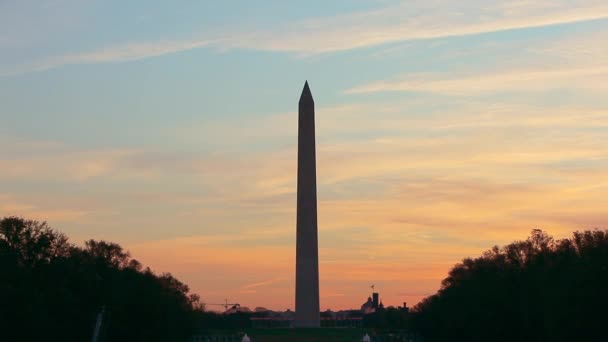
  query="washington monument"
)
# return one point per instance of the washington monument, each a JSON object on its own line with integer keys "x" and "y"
{"x": 307, "y": 250}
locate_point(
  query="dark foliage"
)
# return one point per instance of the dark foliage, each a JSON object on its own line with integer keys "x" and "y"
{"x": 533, "y": 290}
{"x": 51, "y": 290}
{"x": 387, "y": 319}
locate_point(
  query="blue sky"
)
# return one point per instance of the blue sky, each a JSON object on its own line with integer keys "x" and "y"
{"x": 443, "y": 128}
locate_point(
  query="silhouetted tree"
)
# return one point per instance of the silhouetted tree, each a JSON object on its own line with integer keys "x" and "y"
{"x": 387, "y": 319}
{"x": 52, "y": 290}
{"x": 533, "y": 290}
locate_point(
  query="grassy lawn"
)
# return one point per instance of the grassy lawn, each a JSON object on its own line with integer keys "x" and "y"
{"x": 306, "y": 335}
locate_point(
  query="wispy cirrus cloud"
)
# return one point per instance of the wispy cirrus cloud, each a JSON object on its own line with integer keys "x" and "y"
{"x": 11, "y": 206}
{"x": 571, "y": 62}
{"x": 411, "y": 20}
{"x": 110, "y": 54}
{"x": 253, "y": 286}
{"x": 68, "y": 165}
{"x": 582, "y": 78}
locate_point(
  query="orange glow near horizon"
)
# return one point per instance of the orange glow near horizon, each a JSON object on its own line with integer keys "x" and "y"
{"x": 441, "y": 131}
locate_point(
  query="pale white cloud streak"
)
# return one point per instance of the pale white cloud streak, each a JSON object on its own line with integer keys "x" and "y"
{"x": 11, "y": 206}
{"x": 410, "y": 20}
{"x": 68, "y": 165}
{"x": 586, "y": 78}
{"x": 572, "y": 62}
{"x": 110, "y": 54}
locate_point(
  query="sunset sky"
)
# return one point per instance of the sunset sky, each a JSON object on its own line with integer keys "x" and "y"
{"x": 443, "y": 128}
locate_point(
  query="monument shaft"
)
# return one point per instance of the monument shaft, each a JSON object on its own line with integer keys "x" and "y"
{"x": 307, "y": 251}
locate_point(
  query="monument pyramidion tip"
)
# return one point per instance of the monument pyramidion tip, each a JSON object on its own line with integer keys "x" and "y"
{"x": 306, "y": 94}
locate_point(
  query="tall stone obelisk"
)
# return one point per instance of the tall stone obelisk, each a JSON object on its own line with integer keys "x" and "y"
{"x": 307, "y": 250}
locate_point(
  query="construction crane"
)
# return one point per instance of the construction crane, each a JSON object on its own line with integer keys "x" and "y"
{"x": 226, "y": 305}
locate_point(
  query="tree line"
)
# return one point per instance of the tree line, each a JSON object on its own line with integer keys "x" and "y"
{"x": 53, "y": 290}
{"x": 538, "y": 289}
